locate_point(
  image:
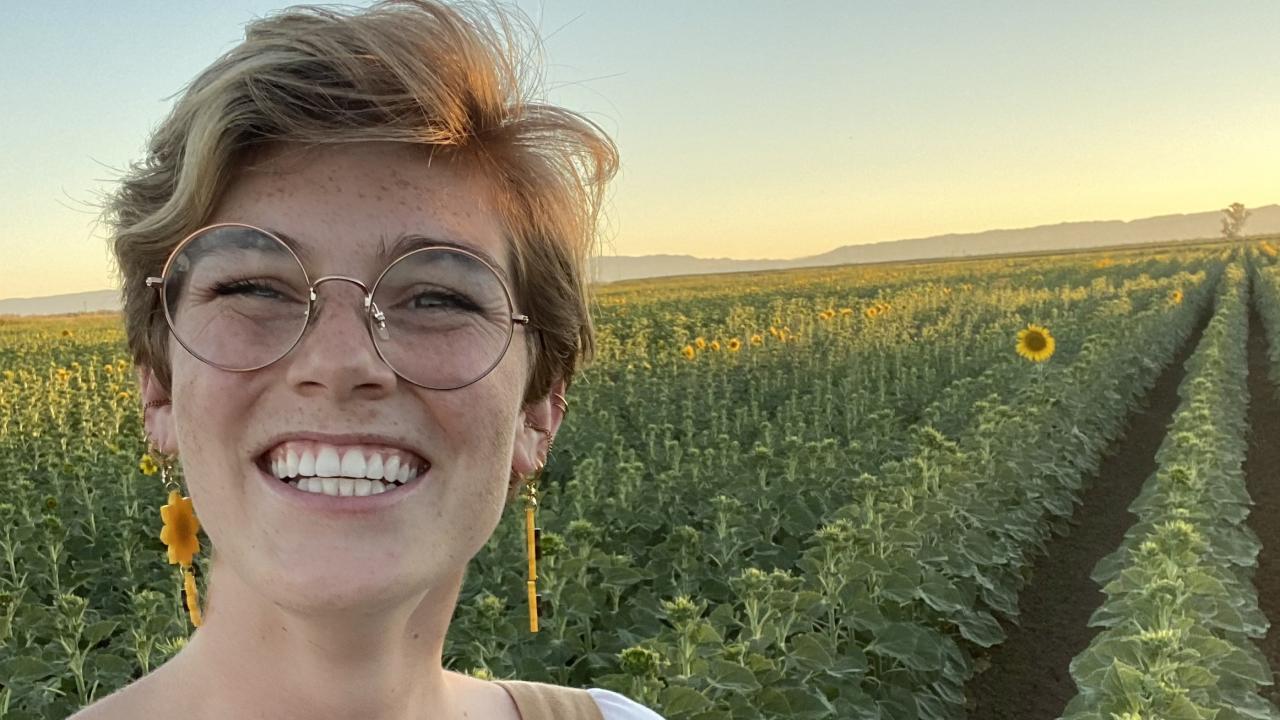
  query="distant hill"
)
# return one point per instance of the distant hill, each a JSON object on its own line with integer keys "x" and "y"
{"x": 1042, "y": 238}
{"x": 58, "y": 304}
{"x": 1062, "y": 236}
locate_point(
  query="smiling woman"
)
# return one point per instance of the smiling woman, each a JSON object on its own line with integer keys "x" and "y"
{"x": 353, "y": 268}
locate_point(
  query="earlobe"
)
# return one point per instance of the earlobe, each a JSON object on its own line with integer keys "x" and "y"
{"x": 157, "y": 412}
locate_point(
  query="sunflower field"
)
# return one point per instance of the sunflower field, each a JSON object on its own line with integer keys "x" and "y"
{"x": 798, "y": 494}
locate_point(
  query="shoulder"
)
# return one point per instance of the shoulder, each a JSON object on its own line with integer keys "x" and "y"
{"x": 121, "y": 704}
{"x": 614, "y": 706}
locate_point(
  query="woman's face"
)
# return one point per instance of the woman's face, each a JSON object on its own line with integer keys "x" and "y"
{"x": 341, "y": 203}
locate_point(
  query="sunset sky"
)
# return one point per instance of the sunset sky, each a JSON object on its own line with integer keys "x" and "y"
{"x": 747, "y": 129}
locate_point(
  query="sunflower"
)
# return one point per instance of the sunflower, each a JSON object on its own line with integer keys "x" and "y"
{"x": 715, "y": 345}
{"x": 1035, "y": 343}
{"x": 757, "y": 339}
{"x": 700, "y": 343}
{"x": 1175, "y": 297}
{"x": 735, "y": 345}
{"x": 148, "y": 465}
{"x": 688, "y": 352}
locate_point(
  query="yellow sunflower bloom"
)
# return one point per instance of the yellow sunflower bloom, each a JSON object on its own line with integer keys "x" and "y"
{"x": 757, "y": 339}
{"x": 688, "y": 352}
{"x": 1176, "y": 297}
{"x": 735, "y": 345}
{"x": 700, "y": 342}
{"x": 1035, "y": 343}
{"x": 715, "y": 345}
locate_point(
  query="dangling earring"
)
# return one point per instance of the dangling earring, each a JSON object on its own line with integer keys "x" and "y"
{"x": 533, "y": 534}
{"x": 181, "y": 535}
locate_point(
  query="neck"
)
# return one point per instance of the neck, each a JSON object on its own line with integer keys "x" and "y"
{"x": 254, "y": 659}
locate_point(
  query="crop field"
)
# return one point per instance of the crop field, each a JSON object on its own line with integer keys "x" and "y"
{"x": 1026, "y": 487}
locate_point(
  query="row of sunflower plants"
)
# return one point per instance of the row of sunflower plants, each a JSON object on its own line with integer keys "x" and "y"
{"x": 710, "y": 551}
{"x": 1181, "y": 610}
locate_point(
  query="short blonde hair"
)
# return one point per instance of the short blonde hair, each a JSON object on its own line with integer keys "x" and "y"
{"x": 454, "y": 77}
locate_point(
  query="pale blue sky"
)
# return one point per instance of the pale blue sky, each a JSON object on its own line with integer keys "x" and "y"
{"x": 747, "y": 129}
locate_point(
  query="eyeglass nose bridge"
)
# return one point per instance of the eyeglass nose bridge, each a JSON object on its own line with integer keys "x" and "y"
{"x": 370, "y": 308}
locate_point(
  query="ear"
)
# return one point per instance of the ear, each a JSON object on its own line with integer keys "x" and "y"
{"x": 157, "y": 420}
{"x": 531, "y": 446}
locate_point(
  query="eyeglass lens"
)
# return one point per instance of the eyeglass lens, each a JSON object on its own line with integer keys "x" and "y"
{"x": 237, "y": 298}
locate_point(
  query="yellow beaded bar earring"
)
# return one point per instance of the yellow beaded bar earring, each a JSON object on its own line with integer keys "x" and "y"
{"x": 533, "y": 534}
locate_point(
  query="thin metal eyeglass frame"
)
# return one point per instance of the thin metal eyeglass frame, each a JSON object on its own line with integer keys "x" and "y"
{"x": 371, "y": 310}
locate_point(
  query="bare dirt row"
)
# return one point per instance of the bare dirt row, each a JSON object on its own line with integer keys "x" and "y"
{"x": 1262, "y": 475}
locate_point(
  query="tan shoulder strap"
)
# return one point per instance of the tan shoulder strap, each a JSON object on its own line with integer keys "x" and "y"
{"x": 541, "y": 701}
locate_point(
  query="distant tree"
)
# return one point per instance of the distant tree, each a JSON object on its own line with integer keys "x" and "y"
{"x": 1234, "y": 221}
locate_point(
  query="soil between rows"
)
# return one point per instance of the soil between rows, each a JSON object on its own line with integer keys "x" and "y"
{"x": 1262, "y": 477}
{"x": 1028, "y": 677}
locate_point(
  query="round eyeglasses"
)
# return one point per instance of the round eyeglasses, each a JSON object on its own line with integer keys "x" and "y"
{"x": 238, "y": 298}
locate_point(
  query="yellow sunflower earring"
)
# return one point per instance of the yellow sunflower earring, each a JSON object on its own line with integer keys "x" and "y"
{"x": 180, "y": 532}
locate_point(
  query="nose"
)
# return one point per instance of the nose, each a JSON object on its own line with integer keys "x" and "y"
{"x": 336, "y": 350}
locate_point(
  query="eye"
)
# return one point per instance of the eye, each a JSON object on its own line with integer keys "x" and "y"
{"x": 245, "y": 287}
{"x": 442, "y": 300}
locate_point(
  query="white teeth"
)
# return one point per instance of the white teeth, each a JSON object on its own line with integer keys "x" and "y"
{"x": 333, "y": 471}
{"x": 327, "y": 462}
{"x": 307, "y": 463}
{"x": 360, "y": 488}
{"x": 374, "y": 469}
{"x": 352, "y": 464}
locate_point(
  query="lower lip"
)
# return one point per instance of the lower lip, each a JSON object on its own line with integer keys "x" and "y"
{"x": 340, "y": 505}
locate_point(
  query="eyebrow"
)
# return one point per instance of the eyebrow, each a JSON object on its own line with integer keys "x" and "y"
{"x": 404, "y": 243}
